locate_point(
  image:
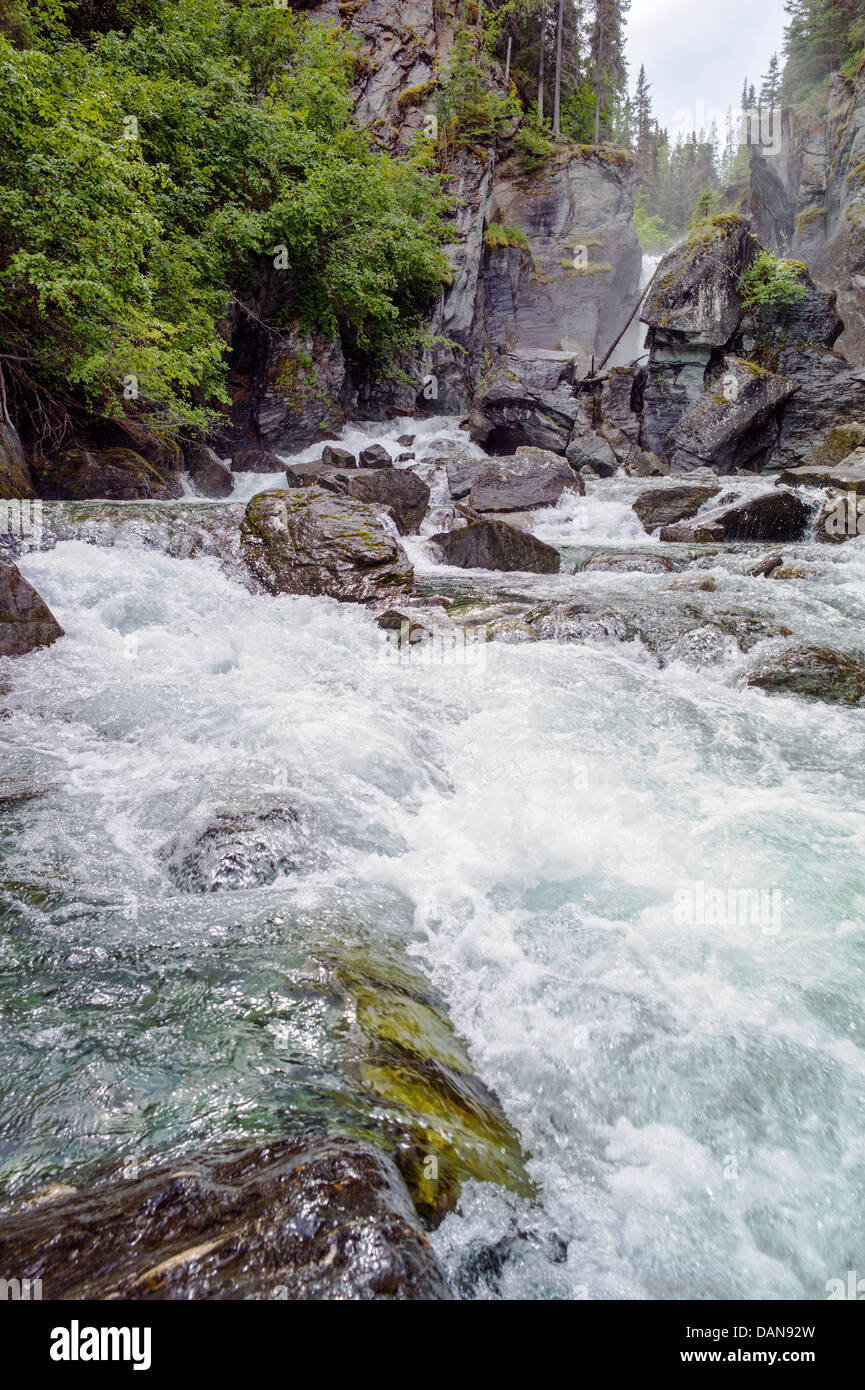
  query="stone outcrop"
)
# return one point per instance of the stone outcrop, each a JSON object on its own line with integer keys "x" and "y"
{"x": 662, "y": 506}
{"x": 527, "y": 398}
{"x": 817, "y": 672}
{"x": 26, "y": 622}
{"x": 525, "y": 482}
{"x": 806, "y": 192}
{"x": 493, "y": 545}
{"x": 297, "y": 1219}
{"x": 398, "y": 491}
{"x": 309, "y": 541}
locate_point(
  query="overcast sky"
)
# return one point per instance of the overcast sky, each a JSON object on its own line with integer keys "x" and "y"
{"x": 698, "y": 51}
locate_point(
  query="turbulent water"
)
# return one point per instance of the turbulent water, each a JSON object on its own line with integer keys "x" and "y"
{"x": 527, "y": 824}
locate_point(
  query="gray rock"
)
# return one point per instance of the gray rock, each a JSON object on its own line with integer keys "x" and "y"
{"x": 26, "y": 622}
{"x": 586, "y": 449}
{"x": 695, "y": 291}
{"x": 308, "y": 541}
{"x": 735, "y": 425}
{"x": 524, "y": 482}
{"x": 375, "y": 456}
{"x": 302, "y": 394}
{"x": 848, "y": 475}
{"x": 321, "y": 1218}
{"x": 629, "y": 562}
{"x": 334, "y": 457}
{"x": 813, "y": 671}
{"x": 398, "y": 490}
{"x": 527, "y": 398}
{"x": 493, "y": 545}
{"x": 257, "y": 461}
{"x": 773, "y": 516}
{"x": 661, "y": 506}
{"x": 207, "y": 473}
{"x": 234, "y": 849}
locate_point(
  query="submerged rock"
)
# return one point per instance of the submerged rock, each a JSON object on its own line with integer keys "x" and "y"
{"x": 26, "y": 622}
{"x": 234, "y": 849}
{"x": 773, "y": 516}
{"x": 629, "y": 562}
{"x": 814, "y": 671}
{"x": 296, "y": 1219}
{"x": 493, "y": 545}
{"x": 661, "y": 506}
{"x": 308, "y": 541}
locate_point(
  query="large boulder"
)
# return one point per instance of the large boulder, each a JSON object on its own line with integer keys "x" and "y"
{"x": 298, "y": 1219}
{"x": 526, "y": 398}
{"x": 530, "y": 479}
{"x": 375, "y": 456}
{"x": 257, "y": 461}
{"x": 26, "y": 622}
{"x": 773, "y": 516}
{"x": 662, "y": 506}
{"x": 15, "y": 479}
{"x": 814, "y": 671}
{"x": 736, "y": 423}
{"x": 117, "y": 474}
{"x": 309, "y": 541}
{"x": 493, "y": 545}
{"x": 207, "y": 473}
{"x": 400, "y": 492}
{"x": 849, "y": 474}
{"x": 695, "y": 293}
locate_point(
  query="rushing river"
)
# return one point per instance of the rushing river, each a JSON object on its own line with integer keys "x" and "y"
{"x": 528, "y": 825}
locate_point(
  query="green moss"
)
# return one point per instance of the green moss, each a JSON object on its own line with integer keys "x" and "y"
{"x": 808, "y": 216}
{"x": 498, "y": 234}
{"x": 415, "y": 96}
{"x": 857, "y": 175}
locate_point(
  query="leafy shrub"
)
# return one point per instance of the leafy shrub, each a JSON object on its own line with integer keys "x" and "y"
{"x": 772, "y": 283}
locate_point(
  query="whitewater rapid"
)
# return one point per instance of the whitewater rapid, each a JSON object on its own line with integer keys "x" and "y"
{"x": 691, "y": 1095}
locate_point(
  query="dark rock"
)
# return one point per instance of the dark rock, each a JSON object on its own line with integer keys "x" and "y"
{"x": 15, "y": 479}
{"x": 234, "y": 849}
{"x": 257, "y": 461}
{"x": 695, "y": 291}
{"x": 527, "y": 398}
{"x": 297, "y": 1219}
{"x": 587, "y": 449}
{"x": 461, "y": 476}
{"x": 629, "y": 562}
{"x": 375, "y": 456}
{"x": 308, "y": 541}
{"x": 736, "y": 423}
{"x": 773, "y": 516}
{"x": 334, "y": 457}
{"x": 406, "y": 440}
{"x": 207, "y": 473}
{"x": 848, "y": 475}
{"x": 142, "y": 436}
{"x": 530, "y": 479}
{"x": 661, "y": 506}
{"x": 493, "y": 545}
{"x": 410, "y": 631}
{"x": 398, "y": 490}
{"x": 405, "y": 458}
{"x": 119, "y": 474}
{"x": 302, "y": 396}
{"x": 26, "y": 622}
{"x": 814, "y": 671}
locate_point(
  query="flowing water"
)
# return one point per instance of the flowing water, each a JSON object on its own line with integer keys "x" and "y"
{"x": 689, "y": 1084}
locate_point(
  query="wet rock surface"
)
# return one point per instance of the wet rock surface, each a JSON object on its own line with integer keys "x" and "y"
{"x": 308, "y": 541}
{"x": 494, "y": 545}
{"x": 817, "y": 672}
{"x": 234, "y": 849}
{"x": 778, "y": 516}
{"x": 295, "y": 1219}
{"x": 531, "y": 479}
{"x": 26, "y": 623}
{"x": 663, "y": 506}
{"x": 116, "y": 473}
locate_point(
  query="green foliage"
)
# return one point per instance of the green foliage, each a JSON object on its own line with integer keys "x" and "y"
{"x": 772, "y": 283}
{"x": 470, "y": 112}
{"x": 147, "y": 171}
{"x": 499, "y": 234}
{"x": 652, "y": 230}
{"x": 821, "y": 37}
{"x": 532, "y": 149}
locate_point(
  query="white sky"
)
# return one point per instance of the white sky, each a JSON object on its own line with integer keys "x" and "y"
{"x": 701, "y": 51}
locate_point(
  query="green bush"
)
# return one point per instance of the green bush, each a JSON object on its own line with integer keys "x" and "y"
{"x": 146, "y": 172}
{"x": 772, "y": 283}
{"x": 499, "y": 234}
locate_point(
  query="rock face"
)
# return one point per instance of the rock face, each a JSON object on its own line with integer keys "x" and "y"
{"x": 26, "y": 622}
{"x": 814, "y": 671}
{"x": 235, "y": 849}
{"x": 806, "y": 191}
{"x": 493, "y": 545}
{"x": 530, "y": 479}
{"x": 526, "y": 399}
{"x": 736, "y": 426}
{"x": 116, "y": 473}
{"x": 773, "y": 516}
{"x": 15, "y": 479}
{"x": 661, "y": 506}
{"x": 257, "y": 461}
{"x": 308, "y": 541}
{"x": 321, "y": 1219}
